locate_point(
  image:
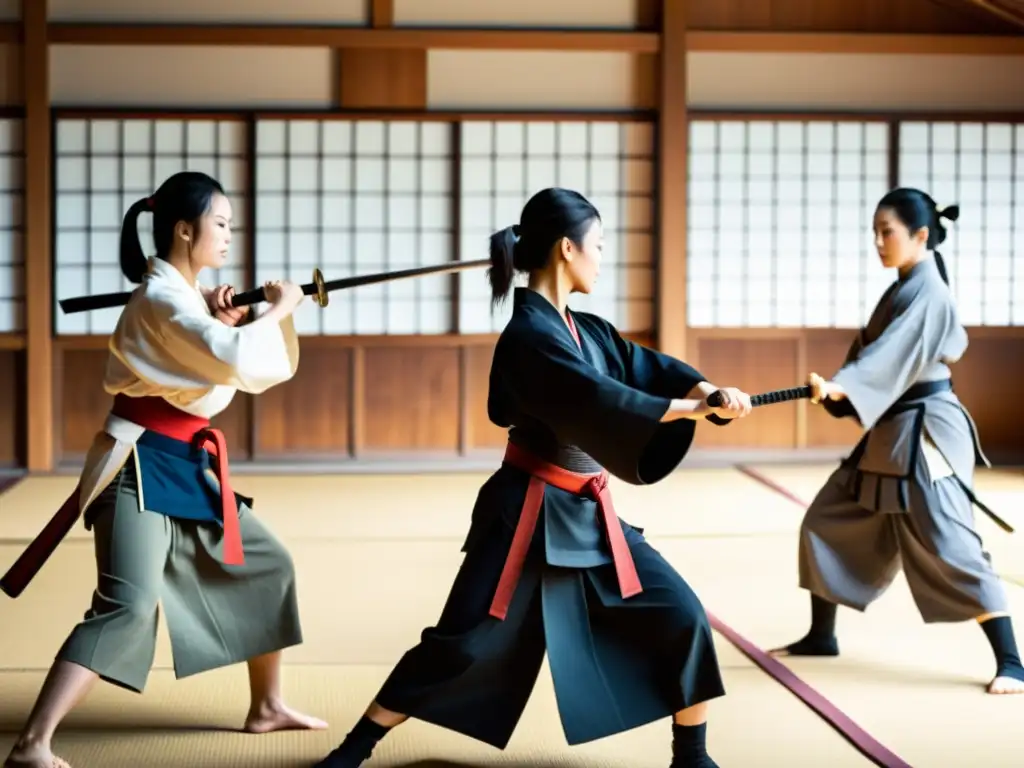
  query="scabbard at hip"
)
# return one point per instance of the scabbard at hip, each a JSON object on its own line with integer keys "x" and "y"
{"x": 31, "y": 561}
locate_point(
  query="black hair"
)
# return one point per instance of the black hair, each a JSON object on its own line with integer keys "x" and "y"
{"x": 916, "y": 209}
{"x": 547, "y": 217}
{"x": 185, "y": 196}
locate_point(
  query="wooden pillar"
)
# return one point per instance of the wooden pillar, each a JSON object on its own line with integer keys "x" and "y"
{"x": 38, "y": 267}
{"x": 673, "y": 140}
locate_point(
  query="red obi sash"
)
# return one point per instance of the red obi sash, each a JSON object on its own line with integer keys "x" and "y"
{"x": 596, "y": 487}
{"x": 157, "y": 415}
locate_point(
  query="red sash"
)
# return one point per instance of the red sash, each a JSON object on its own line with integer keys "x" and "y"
{"x": 596, "y": 487}
{"x": 157, "y": 415}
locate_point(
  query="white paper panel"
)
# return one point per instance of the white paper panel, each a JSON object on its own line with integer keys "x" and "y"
{"x": 506, "y": 163}
{"x": 12, "y": 254}
{"x": 779, "y": 223}
{"x": 357, "y": 197}
{"x": 102, "y": 167}
{"x": 980, "y": 166}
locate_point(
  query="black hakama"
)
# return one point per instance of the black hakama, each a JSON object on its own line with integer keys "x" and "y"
{"x": 617, "y": 662}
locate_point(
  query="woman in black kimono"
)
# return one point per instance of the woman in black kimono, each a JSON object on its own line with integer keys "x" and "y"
{"x": 549, "y": 566}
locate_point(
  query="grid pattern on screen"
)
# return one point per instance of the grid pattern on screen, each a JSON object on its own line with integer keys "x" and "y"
{"x": 979, "y": 166}
{"x": 505, "y": 163}
{"x": 12, "y": 251}
{"x": 103, "y": 166}
{"x": 779, "y": 222}
{"x": 358, "y": 197}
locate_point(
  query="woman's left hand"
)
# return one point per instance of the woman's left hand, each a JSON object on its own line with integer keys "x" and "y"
{"x": 824, "y": 390}
{"x": 220, "y": 304}
{"x": 735, "y": 403}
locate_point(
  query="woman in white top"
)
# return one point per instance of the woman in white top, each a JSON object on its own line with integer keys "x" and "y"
{"x": 156, "y": 490}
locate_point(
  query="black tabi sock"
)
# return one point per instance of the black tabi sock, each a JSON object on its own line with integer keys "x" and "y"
{"x": 357, "y": 746}
{"x": 689, "y": 746}
{"x": 999, "y": 632}
{"x": 823, "y": 618}
{"x": 821, "y": 640}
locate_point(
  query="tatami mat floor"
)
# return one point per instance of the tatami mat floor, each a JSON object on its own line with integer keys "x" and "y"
{"x": 375, "y": 556}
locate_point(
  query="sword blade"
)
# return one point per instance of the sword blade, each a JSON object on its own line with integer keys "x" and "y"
{"x": 256, "y": 295}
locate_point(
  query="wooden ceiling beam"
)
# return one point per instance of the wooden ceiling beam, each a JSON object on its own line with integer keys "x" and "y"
{"x": 818, "y": 42}
{"x": 352, "y": 37}
{"x": 523, "y": 39}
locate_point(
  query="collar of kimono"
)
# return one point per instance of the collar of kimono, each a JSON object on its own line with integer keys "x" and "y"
{"x": 528, "y": 296}
{"x": 572, "y": 328}
{"x": 165, "y": 270}
{"x": 160, "y": 269}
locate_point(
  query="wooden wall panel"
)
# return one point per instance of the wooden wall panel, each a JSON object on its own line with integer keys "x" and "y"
{"x": 382, "y": 78}
{"x": 82, "y": 403}
{"x": 83, "y": 406}
{"x": 825, "y": 353}
{"x": 880, "y": 16}
{"x": 12, "y": 408}
{"x": 987, "y": 381}
{"x": 411, "y": 399}
{"x": 310, "y": 413}
{"x": 754, "y": 365}
{"x": 482, "y": 433}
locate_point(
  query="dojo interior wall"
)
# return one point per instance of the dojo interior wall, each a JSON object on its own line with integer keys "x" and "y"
{"x": 384, "y": 394}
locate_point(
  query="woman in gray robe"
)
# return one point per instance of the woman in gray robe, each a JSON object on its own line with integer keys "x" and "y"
{"x": 905, "y": 493}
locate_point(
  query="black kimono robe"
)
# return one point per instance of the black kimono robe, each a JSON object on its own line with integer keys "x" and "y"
{"x": 617, "y": 663}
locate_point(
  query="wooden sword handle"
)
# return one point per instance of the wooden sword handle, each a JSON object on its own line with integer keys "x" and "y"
{"x": 765, "y": 398}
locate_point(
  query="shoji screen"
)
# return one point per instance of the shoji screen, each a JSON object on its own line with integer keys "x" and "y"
{"x": 105, "y": 165}
{"x": 12, "y": 251}
{"x": 505, "y": 163}
{"x": 354, "y": 197}
{"x": 981, "y": 167}
{"x": 779, "y": 222}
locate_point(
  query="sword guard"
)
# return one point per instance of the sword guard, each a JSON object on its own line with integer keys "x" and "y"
{"x": 321, "y": 296}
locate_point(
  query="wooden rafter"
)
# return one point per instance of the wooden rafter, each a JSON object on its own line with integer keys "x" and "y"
{"x": 528, "y": 39}
{"x": 817, "y": 42}
{"x": 351, "y": 37}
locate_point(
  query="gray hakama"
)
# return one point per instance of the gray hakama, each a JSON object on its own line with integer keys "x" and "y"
{"x": 617, "y": 662}
{"x": 905, "y": 493}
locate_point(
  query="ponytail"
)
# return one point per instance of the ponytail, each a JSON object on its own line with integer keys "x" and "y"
{"x": 950, "y": 213}
{"x": 133, "y": 260}
{"x": 549, "y": 216}
{"x": 502, "y": 270}
{"x": 941, "y": 264}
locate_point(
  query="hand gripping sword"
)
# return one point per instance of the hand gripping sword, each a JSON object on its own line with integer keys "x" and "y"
{"x": 804, "y": 393}
{"x": 766, "y": 398}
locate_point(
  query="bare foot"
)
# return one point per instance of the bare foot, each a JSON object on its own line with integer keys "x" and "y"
{"x": 34, "y": 757}
{"x": 279, "y": 717}
{"x": 1006, "y": 685}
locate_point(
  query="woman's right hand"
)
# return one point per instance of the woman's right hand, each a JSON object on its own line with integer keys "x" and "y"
{"x": 284, "y": 294}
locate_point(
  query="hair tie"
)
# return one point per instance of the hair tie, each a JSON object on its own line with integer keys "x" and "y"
{"x": 150, "y": 202}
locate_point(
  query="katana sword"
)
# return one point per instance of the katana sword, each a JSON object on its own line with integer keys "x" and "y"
{"x": 765, "y": 398}
{"x": 318, "y": 289}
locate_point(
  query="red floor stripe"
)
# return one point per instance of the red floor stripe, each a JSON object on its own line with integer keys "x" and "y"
{"x": 863, "y": 741}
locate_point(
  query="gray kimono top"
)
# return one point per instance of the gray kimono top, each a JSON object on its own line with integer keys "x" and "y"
{"x": 913, "y": 336}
